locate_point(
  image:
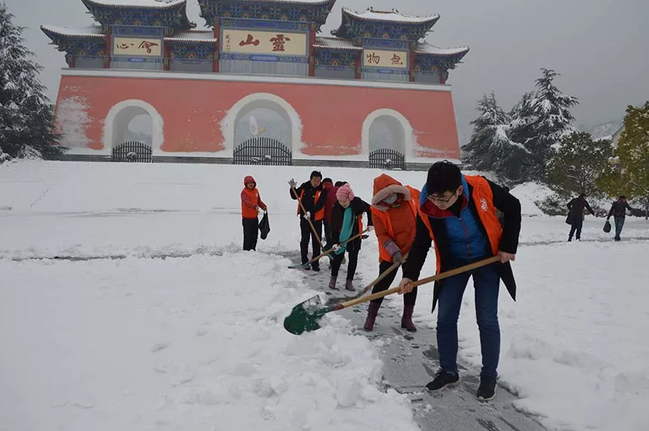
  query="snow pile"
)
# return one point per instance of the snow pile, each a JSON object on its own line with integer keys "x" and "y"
{"x": 180, "y": 344}
{"x": 528, "y": 194}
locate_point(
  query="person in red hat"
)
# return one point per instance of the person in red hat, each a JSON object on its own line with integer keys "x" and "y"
{"x": 251, "y": 205}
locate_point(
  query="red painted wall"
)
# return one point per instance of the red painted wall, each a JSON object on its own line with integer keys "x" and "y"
{"x": 332, "y": 116}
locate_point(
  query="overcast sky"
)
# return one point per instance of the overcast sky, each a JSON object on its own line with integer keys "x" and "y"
{"x": 600, "y": 47}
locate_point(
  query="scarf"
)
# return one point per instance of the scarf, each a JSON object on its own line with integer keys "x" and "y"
{"x": 346, "y": 229}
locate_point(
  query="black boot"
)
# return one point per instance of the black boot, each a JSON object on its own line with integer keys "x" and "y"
{"x": 372, "y": 311}
{"x": 406, "y": 320}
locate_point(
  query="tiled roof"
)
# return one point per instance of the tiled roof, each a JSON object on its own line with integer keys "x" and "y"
{"x": 335, "y": 42}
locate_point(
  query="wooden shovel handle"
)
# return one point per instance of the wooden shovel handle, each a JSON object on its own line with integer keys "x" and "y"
{"x": 437, "y": 277}
{"x": 309, "y": 219}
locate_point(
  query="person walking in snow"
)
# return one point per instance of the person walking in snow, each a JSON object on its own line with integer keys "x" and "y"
{"x": 394, "y": 215}
{"x": 330, "y": 189}
{"x": 310, "y": 194}
{"x": 577, "y": 208}
{"x": 618, "y": 211}
{"x": 346, "y": 222}
{"x": 457, "y": 213}
{"x": 251, "y": 205}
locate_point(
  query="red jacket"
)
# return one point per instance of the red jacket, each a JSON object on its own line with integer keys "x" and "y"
{"x": 250, "y": 199}
{"x": 330, "y": 202}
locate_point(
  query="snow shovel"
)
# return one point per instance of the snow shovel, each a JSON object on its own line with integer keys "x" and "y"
{"x": 309, "y": 219}
{"x": 327, "y": 252}
{"x": 305, "y": 316}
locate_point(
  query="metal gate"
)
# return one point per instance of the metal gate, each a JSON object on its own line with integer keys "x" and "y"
{"x": 263, "y": 151}
{"x": 132, "y": 152}
{"x": 387, "y": 159}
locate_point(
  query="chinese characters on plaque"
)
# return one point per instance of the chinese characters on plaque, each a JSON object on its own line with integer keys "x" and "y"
{"x": 137, "y": 46}
{"x": 264, "y": 42}
{"x": 383, "y": 58}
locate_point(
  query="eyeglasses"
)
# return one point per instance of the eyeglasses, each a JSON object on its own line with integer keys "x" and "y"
{"x": 440, "y": 199}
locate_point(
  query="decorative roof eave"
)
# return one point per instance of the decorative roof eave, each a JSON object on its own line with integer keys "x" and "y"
{"x": 190, "y": 40}
{"x": 54, "y": 33}
{"x": 130, "y": 4}
{"x": 319, "y": 10}
{"x": 334, "y": 43}
{"x": 447, "y": 53}
{"x": 392, "y": 17}
{"x": 175, "y": 10}
{"x": 338, "y": 48}
{"x": 354, "y": 24}
{"x": 315, "y": 3}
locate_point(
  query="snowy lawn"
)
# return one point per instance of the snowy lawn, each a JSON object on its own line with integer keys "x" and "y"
{"x": 149, "y": 341}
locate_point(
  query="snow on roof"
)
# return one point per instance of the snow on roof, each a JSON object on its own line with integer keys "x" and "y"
{"x": 335, "y": 42}
{"x": 139, "y": 3}
{"x": 309, "y": 2}
{"x": 90, "y": 31}
{"x": 427, "y": 48}
{"x": 394, "y": 16}
{"x": 204, "y": 36}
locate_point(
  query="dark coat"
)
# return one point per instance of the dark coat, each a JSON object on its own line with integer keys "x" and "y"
{"x": 618, "y": 209}
{"x": 503, "y": 201}
{"x": 359, "y": 207}
{"x": 308, "y": 199}
{"x": 577, "y": 206}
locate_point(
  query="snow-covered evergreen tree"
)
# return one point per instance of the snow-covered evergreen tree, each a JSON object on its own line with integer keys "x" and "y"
{"x": 26, "y": 117}
{"x": 551, "y": 120}
{"x": 490, "y": 148}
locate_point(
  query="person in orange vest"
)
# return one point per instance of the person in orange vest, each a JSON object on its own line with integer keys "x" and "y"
{"x": 311, "y": 195}
{"x": 458, "y": 214}
{"x": 346, "y": 222}
{"x": 251, "y": 205}
{"x": 394, "y": 215}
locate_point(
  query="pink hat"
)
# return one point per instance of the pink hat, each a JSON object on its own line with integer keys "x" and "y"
{"x": 345, "y": 193}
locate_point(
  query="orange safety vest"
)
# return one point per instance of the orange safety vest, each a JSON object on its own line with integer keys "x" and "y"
{"x": 483, "y": 197}
{"x": 384, "y": 216}
{"x": 253, "y": 195}
{"x": 320, "y": 214}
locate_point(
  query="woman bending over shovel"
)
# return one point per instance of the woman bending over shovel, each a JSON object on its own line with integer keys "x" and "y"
{"x": 394, "y": 213}
{"x": 347, "y": 221}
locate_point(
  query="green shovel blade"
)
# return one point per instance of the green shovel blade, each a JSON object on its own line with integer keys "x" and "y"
{"x": 305, "y": 316}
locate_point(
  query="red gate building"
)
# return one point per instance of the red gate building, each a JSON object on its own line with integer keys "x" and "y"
{"x": 262, "y": 86}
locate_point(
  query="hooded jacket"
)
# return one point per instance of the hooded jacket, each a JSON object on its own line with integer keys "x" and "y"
{"x": 397, "y": 222}
{"x": 250, "y": 199}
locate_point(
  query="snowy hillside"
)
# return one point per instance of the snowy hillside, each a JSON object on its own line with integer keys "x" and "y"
{"x": 603, "y": 130}
{"x": 126, "y": 303}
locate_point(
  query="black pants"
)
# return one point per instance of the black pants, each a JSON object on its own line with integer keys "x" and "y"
{"x": 577, "y": 223}
{"x": 408, "y": 298}
{"x": 352, "y": 252}
{"x": 250, "y": 233}
{"x": 307, "y": 234}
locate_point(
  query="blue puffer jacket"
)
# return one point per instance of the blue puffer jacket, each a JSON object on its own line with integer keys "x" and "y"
{"x": 464, "y": 235}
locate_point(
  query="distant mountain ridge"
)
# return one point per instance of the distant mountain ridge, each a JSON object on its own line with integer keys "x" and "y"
{"x": 602, "y": 130}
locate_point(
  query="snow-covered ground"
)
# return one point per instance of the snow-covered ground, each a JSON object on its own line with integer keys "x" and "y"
{"x": 182, "y": 330}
